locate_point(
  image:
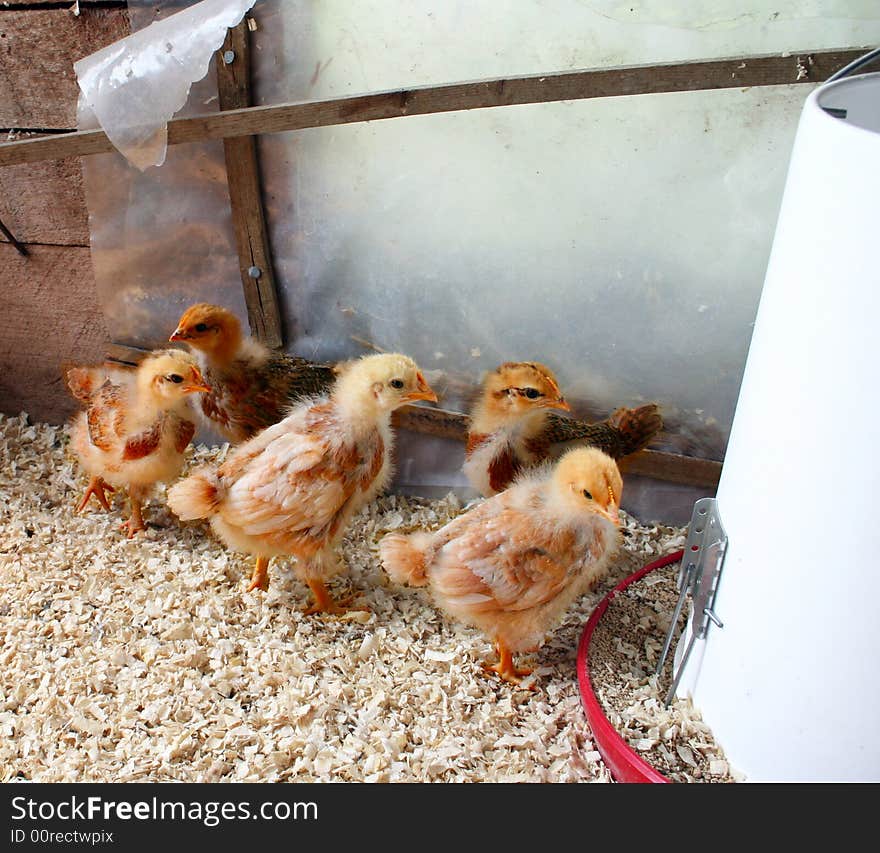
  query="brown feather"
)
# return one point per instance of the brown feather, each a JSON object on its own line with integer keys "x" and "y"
{"x": 143, "y": 443}
{"x": 503, "y": 469}
{"x": 474, "y": 440}
{"x": 106, "y": 415}
{"x": 183, "y": 434}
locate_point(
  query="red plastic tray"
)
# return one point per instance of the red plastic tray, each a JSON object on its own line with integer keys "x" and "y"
{"x": 625, "y": 764}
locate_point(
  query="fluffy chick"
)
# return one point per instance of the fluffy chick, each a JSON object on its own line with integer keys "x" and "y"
{"x": 513, "y": 426}
{"x": 136, "y": 426}
{"x": 513, "y": 564}
{"x": 292, "y": 489}
{"x": 251, "y": 387}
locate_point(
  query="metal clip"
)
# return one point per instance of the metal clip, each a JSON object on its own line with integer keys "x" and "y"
{"x": 698, "y": 577}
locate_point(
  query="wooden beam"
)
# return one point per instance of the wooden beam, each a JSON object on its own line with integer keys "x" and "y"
{"x": 673, "y": 468}
{"x": 125, "y": 353}
{"x": 658, "y": 465}
{"x": 245, "y": 196}
{"x": 439, "y": 422}
{"x": 736, "y": 73}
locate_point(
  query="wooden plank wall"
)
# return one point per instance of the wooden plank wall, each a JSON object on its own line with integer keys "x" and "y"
{"x": 48, "y": 300}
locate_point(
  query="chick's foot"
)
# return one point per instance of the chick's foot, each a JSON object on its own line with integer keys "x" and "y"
{"x": 260, "y": 576}
{"x": 505, "y": 668}
{"x": 96, "y": 487}
{"x": 325, "y": 603}
{"x": 135, "y": 522}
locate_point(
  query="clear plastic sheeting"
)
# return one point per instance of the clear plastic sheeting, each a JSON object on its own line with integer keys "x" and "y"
{"x": 331, "y": 48}
{"x": 622, "y": 241}
{"x": 135, "y": 85}
{"x": 161, "y": 239}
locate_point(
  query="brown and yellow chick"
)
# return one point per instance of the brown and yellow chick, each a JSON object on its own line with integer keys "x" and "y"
{"x": 251, "y": 386}
{"x": 513, "y": 426}
{"x": 292, "y": 489}
{"x": 136, "y": 426}
{"x": 513, "y": 564}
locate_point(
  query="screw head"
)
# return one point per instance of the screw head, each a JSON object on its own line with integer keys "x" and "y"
{"x": 229, "y": 57}
{"x": 254, "y": 272}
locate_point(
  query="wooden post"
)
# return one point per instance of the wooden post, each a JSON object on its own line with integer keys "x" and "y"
{"x": 245, "y": 196}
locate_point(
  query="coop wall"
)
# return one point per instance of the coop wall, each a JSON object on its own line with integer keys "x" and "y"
{"x": 363, "y": 254}
{"x": 48, "y": 301}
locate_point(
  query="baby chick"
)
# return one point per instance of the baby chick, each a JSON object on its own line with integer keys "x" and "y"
{"x": 251, "y": 386}
{"x": 292, "y": 489}
{"x": 513, "y": 564}
{"x": 513, "y": 428}
{"x": 136, "y": 426}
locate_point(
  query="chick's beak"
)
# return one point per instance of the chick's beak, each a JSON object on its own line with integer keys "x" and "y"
{"x": 422, "y": 392}
{"x": 611, "y": 513}
{"x": 179, "y": 335}
{"x": 196, "y": 383}
{"x": 561, "y": 403}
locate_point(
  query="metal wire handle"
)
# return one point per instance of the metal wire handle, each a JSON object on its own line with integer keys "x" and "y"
{"x": 855, "y": 65}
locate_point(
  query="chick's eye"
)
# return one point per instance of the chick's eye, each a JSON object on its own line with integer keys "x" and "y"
{"x": 533, "y": 393}
{"x": 396, "y": 383}
{"x": 176, "y": 378}
{"x": 201, "y": 327}
{"x": 587, "y": 495}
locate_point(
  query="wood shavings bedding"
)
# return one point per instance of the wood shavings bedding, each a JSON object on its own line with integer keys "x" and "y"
{"x": 144, "y": 659}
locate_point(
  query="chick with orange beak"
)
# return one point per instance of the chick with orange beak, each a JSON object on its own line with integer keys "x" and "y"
{"x": 251, "y": 387}
{"x": 514, "y": 426}
{"x": 136, "y": 426}
{"x": 513, "y": 564}
{"x": 292, "y": 489}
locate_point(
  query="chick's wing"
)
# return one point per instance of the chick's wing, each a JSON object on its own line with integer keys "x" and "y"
{"x": 142, "y": 443}
{"x": 502, "y": 560}
{"x": 299, "y": 480}
{"x": 106, "y": 416}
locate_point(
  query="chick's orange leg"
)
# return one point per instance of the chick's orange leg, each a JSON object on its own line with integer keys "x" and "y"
{"x": 96, "y": 487}
{"x": 135, "y": 522}
{"x": 260, "y": 576}
{"x": 505, "y": 668}
{"x": 324, "y": 602}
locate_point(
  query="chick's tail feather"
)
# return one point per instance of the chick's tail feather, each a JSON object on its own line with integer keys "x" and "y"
{"x": 637, "y": 426}
{"x": 404, "y": 558}
{"x": 197, "y": 496}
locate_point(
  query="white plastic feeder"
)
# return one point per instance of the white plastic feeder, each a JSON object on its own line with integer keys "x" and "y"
{"x": 791, "y": 684}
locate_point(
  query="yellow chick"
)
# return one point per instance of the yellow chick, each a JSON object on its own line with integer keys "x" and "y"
{"x": 292, "y": 489}
{"x": 135, "y": 428}
{"x": 513, "y": 564}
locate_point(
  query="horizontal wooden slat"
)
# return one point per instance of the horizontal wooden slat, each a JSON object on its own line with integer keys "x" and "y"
{"x": 673, "y": 468}
{"x": 439, "y": 422}
{"x": 45, "y": 203}
{"x": 534, "y": 89}
{"x": 658, "y": 465}
{"x": 51, "y": 317}
{"x": 37, "y": 50}
{"x": 66, "y": 5}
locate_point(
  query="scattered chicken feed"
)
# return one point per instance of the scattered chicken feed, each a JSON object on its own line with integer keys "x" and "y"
{"x": 144, "y": 660}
